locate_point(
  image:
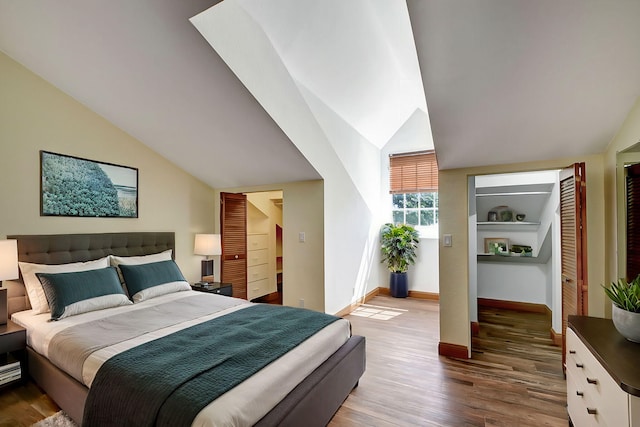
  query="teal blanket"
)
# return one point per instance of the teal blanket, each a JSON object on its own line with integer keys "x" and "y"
{"x": 166, "y": 382}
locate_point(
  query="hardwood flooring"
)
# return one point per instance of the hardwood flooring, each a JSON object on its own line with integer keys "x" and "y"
{"x": 513, "y": 379}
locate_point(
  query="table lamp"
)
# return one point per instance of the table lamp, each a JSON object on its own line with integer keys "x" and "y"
{"x": 8, "y": 271}
{"x": 207, "y": 245}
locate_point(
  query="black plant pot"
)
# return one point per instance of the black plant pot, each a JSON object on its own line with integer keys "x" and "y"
{"x": 399, "y": 285}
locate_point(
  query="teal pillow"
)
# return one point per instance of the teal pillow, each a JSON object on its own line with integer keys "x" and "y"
{"x": 64, "y": 289}
{"x": 142, "y": 276}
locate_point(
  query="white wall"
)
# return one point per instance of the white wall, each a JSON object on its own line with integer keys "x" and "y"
{"x": 513, "y": 282}
{"x": 348, "y": 164}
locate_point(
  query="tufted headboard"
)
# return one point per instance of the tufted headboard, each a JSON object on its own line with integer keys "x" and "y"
{"x": 66, "y": 248}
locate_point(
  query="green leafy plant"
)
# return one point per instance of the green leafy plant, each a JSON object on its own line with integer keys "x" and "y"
{"x": 625, "y": 295}
{"x": 398, "y": 245}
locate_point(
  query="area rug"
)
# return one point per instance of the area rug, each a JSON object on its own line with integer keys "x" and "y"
{"x": 59, "y": 419}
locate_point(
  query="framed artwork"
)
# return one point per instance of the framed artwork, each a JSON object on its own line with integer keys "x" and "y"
{"x": 72, "y": 186}
{"x": 495, "y": 245}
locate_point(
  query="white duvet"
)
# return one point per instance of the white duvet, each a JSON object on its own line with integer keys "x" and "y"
{"x": 243, "y": 405}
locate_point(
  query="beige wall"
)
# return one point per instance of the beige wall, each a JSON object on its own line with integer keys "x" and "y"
{"x": 303, "y": 263}
{"x": 453, "y": 217}
{"x": 36, "y": 116}
{"x": 628, "y": 135}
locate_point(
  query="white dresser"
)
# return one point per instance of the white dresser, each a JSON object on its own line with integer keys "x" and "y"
{"x": 603, "y": 375}
{"x": 257, "y": 265}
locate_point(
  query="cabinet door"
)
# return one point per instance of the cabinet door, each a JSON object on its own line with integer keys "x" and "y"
{"x": 233, "y": 225}
{"x": 573, "y": 230}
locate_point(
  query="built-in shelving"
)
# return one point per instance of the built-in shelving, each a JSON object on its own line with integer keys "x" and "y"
{"x": 511, "y": 259}
{"x": 516, "y": 193}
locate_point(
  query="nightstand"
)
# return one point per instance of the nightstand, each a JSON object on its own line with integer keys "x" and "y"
{"x": 13, "y": 352}
{"x": 225, "y": 289}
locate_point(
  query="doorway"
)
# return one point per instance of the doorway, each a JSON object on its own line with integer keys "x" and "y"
{"x": 261, "y": 226}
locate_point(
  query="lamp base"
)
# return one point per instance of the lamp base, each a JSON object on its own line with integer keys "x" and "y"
{"x": 207, "y": 270}
{"x": 3, "y": 306}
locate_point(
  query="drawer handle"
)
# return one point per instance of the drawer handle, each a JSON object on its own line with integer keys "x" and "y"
{"x": 236, "y": 257}
{"x": 579, "y": 393}
{"x": 592, "y": 380}
{"x": 579, "y": 365}
{"x": 592, "y": 411}
{"x": 572, "y": 352}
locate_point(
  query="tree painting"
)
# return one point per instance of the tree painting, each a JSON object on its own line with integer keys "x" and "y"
{"x": 78, "y": 187}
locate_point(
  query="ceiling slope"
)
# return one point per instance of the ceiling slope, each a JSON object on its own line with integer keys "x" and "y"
{"x": 519, "y": 80}
{"x": 144, "y": 67}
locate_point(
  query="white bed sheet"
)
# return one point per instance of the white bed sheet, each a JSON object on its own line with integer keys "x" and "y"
{"x": 245, "y": 404}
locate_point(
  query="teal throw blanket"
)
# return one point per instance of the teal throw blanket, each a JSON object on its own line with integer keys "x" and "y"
{"x": 166, "y": 382}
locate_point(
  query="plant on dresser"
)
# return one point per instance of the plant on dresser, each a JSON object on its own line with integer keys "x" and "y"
{"x": 625, "y": 311}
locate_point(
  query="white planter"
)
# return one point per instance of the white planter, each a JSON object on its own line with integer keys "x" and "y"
{"x": 627, "y": 323}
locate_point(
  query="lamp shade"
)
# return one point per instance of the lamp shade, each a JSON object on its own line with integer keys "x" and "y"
{"x": 8, "y": 259}
{"x": 207, "y": 244}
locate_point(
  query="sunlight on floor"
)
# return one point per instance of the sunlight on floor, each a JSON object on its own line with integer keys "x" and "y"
{"x": 377, "y": 312}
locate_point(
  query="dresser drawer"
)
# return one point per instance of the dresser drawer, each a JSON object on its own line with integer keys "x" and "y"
{"x": 257, "y": 241}
{"x": 257, "y": 272}
{"x": 601, "y": 392}
{"x": 259, "y": 256}
{"x": 257, "y": 288}
{"x": 577, "y": 404}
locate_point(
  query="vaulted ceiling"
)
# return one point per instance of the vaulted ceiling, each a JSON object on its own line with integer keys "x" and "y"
{"x": 505, "y": 81}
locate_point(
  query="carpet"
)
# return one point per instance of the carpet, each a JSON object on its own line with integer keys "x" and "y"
{"x": 59, "y": 419}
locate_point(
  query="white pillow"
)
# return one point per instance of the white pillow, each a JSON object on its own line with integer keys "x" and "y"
{"x": 35, "y": 292}
{"x": 156, "y": 291}
{"x": 97, "y": 303}
{"x": 137, "y": 260}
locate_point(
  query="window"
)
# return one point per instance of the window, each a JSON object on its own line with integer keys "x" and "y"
{"x": 417, "y": 209}
{"x": 414, "y": 189}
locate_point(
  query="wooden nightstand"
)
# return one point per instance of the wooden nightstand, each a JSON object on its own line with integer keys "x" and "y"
{"x": 13, "y": 352}
{"x": 225, "y": 289}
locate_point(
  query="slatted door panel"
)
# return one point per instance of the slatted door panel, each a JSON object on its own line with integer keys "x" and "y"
{"x": 233, "y": 223}
{"x": 633, "y": 221}
{"x": 573, "y": 244}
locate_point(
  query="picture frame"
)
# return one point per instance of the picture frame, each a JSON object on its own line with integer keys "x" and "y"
{"x": 75, "y": 187}
{"x": 492, "y": 243}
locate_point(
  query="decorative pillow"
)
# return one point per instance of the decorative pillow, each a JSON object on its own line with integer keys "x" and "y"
{"x": 156, "y": 291}
{"x": 69, "y": 294}
{"x": 144, "y": 276}
{"x": 137, "y": 260}
{"x": 37, "y": 298}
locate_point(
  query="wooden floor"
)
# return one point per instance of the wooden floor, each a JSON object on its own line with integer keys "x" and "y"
{"x": 513, "y": 379}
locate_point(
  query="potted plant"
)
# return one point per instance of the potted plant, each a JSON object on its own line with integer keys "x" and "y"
{"x": 625, "y": 312}
{"x": 398, "y": 245}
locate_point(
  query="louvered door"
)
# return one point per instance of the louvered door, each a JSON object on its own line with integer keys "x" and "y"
{"x": 573, "y": 226}
{"x": 633, "y": 220}
{"x": 233, "y": 223}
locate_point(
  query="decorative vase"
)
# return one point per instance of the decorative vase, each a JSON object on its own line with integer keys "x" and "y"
{"x": 399, "y": 285}
{"x": 627, "y": 323}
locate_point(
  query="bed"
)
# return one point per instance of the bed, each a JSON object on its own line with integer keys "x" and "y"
{"x": 309, "y": 400}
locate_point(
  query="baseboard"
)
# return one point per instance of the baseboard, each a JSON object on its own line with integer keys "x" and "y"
{"x": 453, "y": 350}
{"x": 475, "y": 329}
{"x": 414, "y": 294}
{"x": 526, "y": 307}
{"x": 556, "y": 337}
{"x": 358, "y": 303}
{"x": 424, "y": 295}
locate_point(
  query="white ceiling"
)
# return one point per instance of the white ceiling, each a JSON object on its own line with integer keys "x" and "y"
{"x": 505, "y": 81}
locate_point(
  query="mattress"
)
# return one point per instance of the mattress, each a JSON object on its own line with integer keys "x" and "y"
{"x": 243, "y": 405}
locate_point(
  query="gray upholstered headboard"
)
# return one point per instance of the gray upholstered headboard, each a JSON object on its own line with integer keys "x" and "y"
{"x": 66, "y": 248}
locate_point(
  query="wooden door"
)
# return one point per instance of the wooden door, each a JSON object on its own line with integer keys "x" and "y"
{"x": 632, "y": 200}
{"x": 573, "y": 226}
{"x": 233, "y": 226}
